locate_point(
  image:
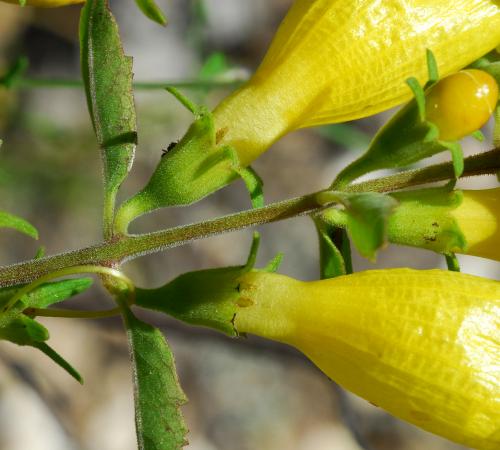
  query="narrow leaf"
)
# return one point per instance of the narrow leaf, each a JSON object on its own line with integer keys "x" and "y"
{"x": 46, "y": 294}
{"x": 58, "y": 359}
{"x": 331, "y": 262}
{"x": 158, "y": 395}
{"x": 10, "y": 221}
{"x": 152, "y": 11}
{"x": 107, "y": 75}
{"x": 452, "y": 262}
{"x": 215, "y": 65}
{"x": 50, "y": 293}
{"x": 21, "y": 329}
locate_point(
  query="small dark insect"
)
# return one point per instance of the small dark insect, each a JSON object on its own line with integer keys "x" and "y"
{"x": 164, "y": 151}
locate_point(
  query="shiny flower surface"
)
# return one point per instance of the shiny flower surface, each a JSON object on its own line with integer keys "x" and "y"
{"x": 338, "y": 60}
{"x": 424, "y": 345}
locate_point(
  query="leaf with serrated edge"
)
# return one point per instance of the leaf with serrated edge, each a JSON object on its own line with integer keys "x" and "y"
{"x": 107, "y": 75}
{"x": 158, "y": 395}
{"x": 10, "y": 221}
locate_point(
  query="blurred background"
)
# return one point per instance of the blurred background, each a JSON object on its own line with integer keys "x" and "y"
{"x": 245, "y": 394}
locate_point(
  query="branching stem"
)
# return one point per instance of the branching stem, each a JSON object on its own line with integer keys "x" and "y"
{"x": 121, "y": 249}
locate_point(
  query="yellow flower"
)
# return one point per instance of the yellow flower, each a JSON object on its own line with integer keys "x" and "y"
{"x": 424, "y": 345}
{"x": 338, "y": 60}
{"x": 47, "y": 3}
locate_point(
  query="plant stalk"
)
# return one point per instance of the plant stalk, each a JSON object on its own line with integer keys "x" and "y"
{"x": 121, "y": 249}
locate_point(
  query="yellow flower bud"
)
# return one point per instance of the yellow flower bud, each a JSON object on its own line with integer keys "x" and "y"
{"x": 338, "y": 60}
{"x": 47, "y": 3}
{"x": 424, "y": 345}
{"x": 461, "y": 103}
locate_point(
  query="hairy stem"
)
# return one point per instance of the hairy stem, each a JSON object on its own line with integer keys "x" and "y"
{"x": 119, "y": 250}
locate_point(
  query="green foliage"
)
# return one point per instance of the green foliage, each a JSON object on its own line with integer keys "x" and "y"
{"x": 365, "y": 216}
{"x": 107, "y": 75}
{"x": 158, "y": 395}
{"x": 10, "y": 221}
{"x": 151, "y": 10}
{"x": 20, "y": 329}
{"x": 48, "y": 293}
{"x": 194, "y": 168}
{"x": 14, "y": 73}
{"x": 331, "y": 261}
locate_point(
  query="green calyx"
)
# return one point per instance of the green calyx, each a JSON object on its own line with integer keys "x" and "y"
{"x": 209, "y": 298}
{"x": 402, "y": 141}
{"x": 406, "y": 138}
{"x": 423, "y": 218}
{"x": 192, "y": 169}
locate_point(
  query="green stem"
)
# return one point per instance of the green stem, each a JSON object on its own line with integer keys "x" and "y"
{"x": 24, "y": 83}
{"x": 72, "y": 314}
{"x": 121, "y": 249}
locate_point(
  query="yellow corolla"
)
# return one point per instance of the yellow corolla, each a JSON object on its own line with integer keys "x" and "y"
{"x": 423, "y": 345}
{"x": 458, "y": 221}
{"x": 338, "y": 60}
{"x": 478, "y": 218}
{"x": 47, "y": 3}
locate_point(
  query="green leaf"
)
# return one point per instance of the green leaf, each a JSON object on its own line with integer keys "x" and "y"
{"x": 107, "y": 75}
{"x": 55, "y": 292}
{"x": 215, "y": 65}
{"x": 46, "y": 294}
{"x": 367, "y": 215}
{"x": 21, "y": 329}
{"x": 158, "y": 395}
{"x": 58, "y": 359}
{"x": 15, "y": 72}
{"x": 152, "y": 11}
{"x": 331, "y": 262}
{"x": 10, "y": 221}
{"x": 452, "y": 262}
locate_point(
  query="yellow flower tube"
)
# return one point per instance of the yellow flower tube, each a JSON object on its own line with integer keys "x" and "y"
{"x": 46, "y": 3}
{"x": 423, "y": 345}
{"x": 338, "y": 60}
